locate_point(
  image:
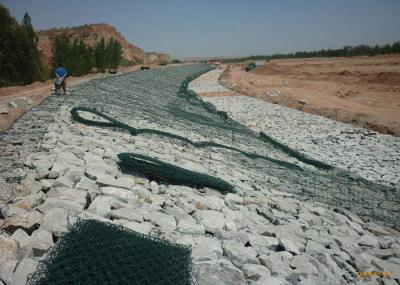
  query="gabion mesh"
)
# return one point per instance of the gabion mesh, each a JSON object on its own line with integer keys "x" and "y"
{"x": 94, "y": 252}
{"x": 160, "y": 98}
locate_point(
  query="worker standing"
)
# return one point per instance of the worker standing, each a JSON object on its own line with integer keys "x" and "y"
{"x": 60, "y": 81}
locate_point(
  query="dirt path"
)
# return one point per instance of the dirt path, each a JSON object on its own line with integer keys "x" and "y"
{"x": 363, "y": 91}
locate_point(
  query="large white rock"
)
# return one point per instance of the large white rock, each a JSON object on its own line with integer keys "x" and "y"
{"x": 22, "y": 237}
{"x": 263, "y": 241}
{"x": 121, "y": 182}
{"x": 55, "y": 220}
{"x": 238, "y": 254}
{"x": 8, "y": 250}
{"x": 102, "y": 205}
{"x": 40, "y": 242}
{"x": 127, "y": 213}
{"x": 189, "y": 226}
{"x": 143, "y": 228}
{"x": 218, "y": 272}
{"x": 206, "y": 248}
{"x": 255, "y": 271}
{"x": 212, "y": 220}
{"x": 164, "y": 221}
{"x": 288, "y": 245}
{"x": 25, "y": 267}
{"x": 277, "y": 262}
{"x": 233, "y": 199}
{"x": 30, "y": 201}
{"x": 119, "y": 193}
{"x": 23, "y": 220}
{"x": 70, "y": 194}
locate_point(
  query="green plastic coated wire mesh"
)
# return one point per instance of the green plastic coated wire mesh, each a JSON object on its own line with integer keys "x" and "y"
{"x": 98, "y": 253}
{"x": 157, "y": 102}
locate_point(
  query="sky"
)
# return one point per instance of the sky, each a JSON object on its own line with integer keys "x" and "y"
{"x": 210, "y": 28}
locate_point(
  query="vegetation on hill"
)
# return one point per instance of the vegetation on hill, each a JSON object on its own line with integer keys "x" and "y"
{"x": 19, "y": 57}
{"x": 345, "y": 51}
{"x": 79, "y": 58}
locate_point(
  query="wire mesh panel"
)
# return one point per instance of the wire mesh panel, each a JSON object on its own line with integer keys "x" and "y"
{"x": 94, "y": 252}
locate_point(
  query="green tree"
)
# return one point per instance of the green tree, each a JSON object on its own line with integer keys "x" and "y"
{"x": 19, "y": 57}
{"x": 100, "y": 55}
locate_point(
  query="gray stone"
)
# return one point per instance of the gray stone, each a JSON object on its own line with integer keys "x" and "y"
{"x": 40, "y": 242}
{"x": 189, "y": 226}
{"x": 25, "y": 267}
{"x": 266, "y": 213}
{"x": 154, "y": 187}
{"x": 233, "y": 199}
{"x": 7, "y": 271}
{"x": 127, "y": 213}
{"x": 263, "y": 241}
{"x": 22, "y": 237}
{"x": 70, "y": 178}
{"x": 55, "y": 220}
{"x": 277, "y": 262}
{"x": 8, "y": 250}
{"x": 368, "y": 240}
{"x": 102, "y": 206}
{"x": 164, "y": 221}
{"x": 87, "y": 184}
{"x": 29, "y": 202}
{"x": 46, "y": 184}
{"x": 143, "y": 228}
{"x": 206, "y": 248}
{"x": 255, "y": 271}
{"x": 142, "y": 192}
{"x": 121, "y": 182}
{"x": 212, "y": 220}
{"x": 288, "y": 245}
{"x": 212, "y": 202}
{"x": 119, "y": 193}
{"x": 68, "y": 205}
{"x": 287, "y": 205}
{"x": 178, "y": 213}
{"x": 238, "y": 254}
{"x": 218, "y": 272}
{"x": 27, "y": 221}
{"x": 304, "y": 263}
{"x": 71, "y": 194}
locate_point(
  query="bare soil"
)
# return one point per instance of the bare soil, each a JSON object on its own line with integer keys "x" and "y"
{"x": 363, "y": 91}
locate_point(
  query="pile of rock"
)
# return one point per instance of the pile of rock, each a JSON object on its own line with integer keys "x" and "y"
{"x": 373, "y": 156}
{"x": 258, "y": 236}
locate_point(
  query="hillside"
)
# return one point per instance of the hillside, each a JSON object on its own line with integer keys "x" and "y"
{"x": 91, "y": 34}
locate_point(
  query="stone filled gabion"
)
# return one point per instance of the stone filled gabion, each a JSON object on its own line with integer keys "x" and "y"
{"x": 275, "y": 230}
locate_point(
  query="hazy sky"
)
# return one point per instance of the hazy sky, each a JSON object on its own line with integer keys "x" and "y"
{"x": 203, "y": 28}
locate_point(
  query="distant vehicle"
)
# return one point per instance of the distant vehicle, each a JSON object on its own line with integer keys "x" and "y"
{"x": 144, "y": 67}
{"x": 250, "y": 66}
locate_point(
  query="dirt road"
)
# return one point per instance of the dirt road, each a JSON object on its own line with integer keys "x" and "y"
{"x": 363, "y": 91}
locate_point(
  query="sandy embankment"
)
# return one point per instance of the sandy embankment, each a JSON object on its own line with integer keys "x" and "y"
{"x": 363, "y": 91}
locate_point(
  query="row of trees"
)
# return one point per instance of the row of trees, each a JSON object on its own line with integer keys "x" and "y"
{"x": 345, "y": 51}
{"x": 79, "y": 58}
{"x": 19, "y": 57}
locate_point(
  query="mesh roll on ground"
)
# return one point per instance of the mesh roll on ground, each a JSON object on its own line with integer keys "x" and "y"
{"x": 94, "y": 252}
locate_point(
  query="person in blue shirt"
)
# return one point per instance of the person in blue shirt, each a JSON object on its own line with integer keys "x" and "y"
{"x": 60, "y": 81}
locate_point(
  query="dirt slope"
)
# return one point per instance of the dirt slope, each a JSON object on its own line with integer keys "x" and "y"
{"x": 91, "y": 34}
{"x": 363, "y": 91}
